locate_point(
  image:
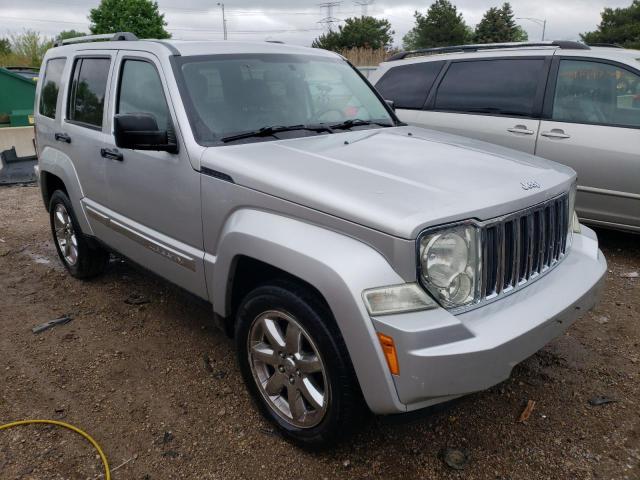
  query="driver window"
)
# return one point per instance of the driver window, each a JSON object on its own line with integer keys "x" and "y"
{"x": 599, "y": 93}
{"x": 141, "y": 92}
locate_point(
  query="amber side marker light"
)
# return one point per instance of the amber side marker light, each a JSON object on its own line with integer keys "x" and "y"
{"x": 389, "y": 349}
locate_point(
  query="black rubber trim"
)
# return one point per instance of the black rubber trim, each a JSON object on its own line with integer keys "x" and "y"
{"x": 216, "y": 174}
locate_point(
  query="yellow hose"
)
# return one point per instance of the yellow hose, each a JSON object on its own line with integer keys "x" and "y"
{"x": 85, "y": 435}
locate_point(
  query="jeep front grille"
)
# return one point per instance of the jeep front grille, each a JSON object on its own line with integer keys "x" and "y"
{"x": 520, "y": 247}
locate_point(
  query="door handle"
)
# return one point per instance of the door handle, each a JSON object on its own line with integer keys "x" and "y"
{"x": 521, "y": 129}
{"x": 111, "y": 154}
{"x": 555, "y": 133}
{"x": 62, "y": 137}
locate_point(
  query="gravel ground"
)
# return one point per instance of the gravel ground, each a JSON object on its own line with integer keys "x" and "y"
{"x": 158, "y": 386}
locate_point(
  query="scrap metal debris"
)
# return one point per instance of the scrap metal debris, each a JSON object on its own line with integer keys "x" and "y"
{"x": 526, "y": 413}
{"x": 51, "y": 323}
{"x": 601, "y": 400}
{"x": 630, "y": 275}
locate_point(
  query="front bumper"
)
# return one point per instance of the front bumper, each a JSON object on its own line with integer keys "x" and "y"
{"x": 442, "y": 356}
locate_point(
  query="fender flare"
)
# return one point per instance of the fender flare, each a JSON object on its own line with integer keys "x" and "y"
{"x": 52, "y": 161}
{"x": 338, "y": 266}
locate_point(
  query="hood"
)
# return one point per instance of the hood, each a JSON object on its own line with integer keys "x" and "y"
{"x": 396, "y": 180}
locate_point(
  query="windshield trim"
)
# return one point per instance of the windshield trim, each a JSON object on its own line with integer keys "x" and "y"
{"x": 178, "y": 62}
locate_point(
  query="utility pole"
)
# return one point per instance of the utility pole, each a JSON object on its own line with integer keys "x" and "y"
{"x": 364, "y": 6}
{"x": 329, "y": 20}
{"x": 224, "y": 20}
{"x": 539, "y": 21}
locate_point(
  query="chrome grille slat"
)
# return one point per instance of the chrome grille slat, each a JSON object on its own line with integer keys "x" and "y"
{"x": 521, "y": 246}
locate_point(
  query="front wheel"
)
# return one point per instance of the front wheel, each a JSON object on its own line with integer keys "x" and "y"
{"x": 295, "y": 364}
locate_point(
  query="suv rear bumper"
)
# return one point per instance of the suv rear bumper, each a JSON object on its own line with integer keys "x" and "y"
{"x": 442, "y": 356}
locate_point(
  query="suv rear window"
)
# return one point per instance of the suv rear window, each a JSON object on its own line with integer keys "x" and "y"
{"x": 409, "y": 85}
{"x": 86, "y": 103}
{"x": 51, "y": 87}
{"x": 506, "y": 87}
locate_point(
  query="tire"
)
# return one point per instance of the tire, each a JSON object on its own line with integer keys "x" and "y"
{"x": 81, "y": 257}
{"x": 295, "y": 372}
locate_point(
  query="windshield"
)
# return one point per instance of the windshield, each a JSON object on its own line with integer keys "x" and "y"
{"x": 231, "y": 94}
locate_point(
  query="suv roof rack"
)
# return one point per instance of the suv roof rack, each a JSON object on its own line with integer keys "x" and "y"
{"x": 108, "y": 37}
{"x": 606, "y": 45}
{"x": 564, "y": 44}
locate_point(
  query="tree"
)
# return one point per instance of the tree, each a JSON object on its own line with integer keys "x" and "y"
{"x": 5, "y": 46}
{"x": 357, "y": 32}
{"x": 28, "y": 47}
{"x": 140, "y": 17}
{"x": 65, "y": 34}
{"x": 498, "y": 25}
{"x": 619, "y": 26}
{"x": 440, "y": 27}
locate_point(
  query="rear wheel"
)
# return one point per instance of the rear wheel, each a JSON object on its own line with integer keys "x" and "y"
{"x": 295, "y": 364}
{"x": 81, "y": 257}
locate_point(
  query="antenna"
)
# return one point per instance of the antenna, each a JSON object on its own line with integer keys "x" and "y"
{"x": 364, "y": 6}
{"x": 329, "y": 20}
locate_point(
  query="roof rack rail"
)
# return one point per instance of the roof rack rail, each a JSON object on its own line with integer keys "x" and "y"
{"x": 106, "y": 37}
{"x": 606, "y": 45}
{"x": 564, "y": 44}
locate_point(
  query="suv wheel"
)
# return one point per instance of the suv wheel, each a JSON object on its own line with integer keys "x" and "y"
{"x": 295, "y": 364}
{"x": 80, "y": 257}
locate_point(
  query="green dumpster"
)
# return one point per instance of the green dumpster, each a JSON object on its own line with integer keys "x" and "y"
{"x": 17, "y": 94}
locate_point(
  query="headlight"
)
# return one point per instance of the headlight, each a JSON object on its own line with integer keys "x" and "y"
{"x": 450, "y": 264}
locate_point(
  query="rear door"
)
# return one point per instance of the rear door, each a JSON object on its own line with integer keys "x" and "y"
{"x": 593, "y": 126}
{"x": 498, "y": 100}
{"x": 82, "y": 132}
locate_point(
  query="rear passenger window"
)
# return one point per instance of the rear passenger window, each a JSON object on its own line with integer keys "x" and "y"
{"x": 502, "y": 87}
{"x": 409, "y": 85}
{"x": 141, "y": 92}
{"x": 599, "y": 93}
{"x": 51, "y": 87}
{"x": 86, "y": 104}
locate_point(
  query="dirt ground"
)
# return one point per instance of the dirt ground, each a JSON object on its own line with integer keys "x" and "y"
{"x": 158, "y": 387}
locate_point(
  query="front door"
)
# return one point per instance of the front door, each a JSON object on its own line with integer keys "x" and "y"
{"x": 153, "y": 211}
{"x": 594, "y": 127}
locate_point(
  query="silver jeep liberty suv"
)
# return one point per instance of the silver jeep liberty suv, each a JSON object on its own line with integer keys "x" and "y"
{"x": 360, "y": 264}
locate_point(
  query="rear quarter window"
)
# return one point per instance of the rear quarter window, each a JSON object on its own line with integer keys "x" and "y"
{"x": 503, "y": 87}
{"x": 409, "y": 85}
{"x": 51, "y": 87}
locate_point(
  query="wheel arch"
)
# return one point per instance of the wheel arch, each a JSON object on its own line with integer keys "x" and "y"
{"x": 58, "y": 172}
{"x": 334, "y": 265}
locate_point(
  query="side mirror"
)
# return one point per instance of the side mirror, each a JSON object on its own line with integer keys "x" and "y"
{"x": 392, "y": 104}
{"x": 139, "y": 131}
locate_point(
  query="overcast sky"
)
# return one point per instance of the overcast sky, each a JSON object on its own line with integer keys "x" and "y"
{"x": 296, "y": 21}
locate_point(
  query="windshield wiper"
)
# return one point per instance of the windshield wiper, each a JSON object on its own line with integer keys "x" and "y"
{"x": 356, "y": 122}
{"x": 273, "y": 129}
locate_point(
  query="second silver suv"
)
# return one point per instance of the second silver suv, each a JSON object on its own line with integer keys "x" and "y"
{"x": 564, "y": 101}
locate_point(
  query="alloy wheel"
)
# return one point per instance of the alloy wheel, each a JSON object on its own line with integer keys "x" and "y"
{"x": 65, "y": 234}
{"x": 288, "y": 369}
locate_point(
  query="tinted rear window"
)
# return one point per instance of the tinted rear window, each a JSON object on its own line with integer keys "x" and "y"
{"x": 51, "y": 87}
{"x": 491, "y": 86}
{"x": 89, "y": 87}
{"x": 409, "y": 85}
